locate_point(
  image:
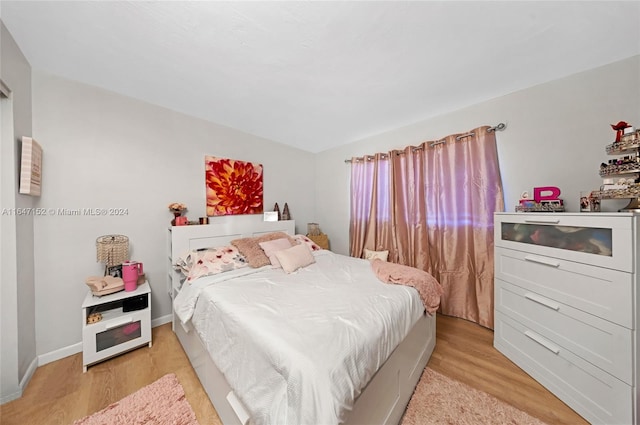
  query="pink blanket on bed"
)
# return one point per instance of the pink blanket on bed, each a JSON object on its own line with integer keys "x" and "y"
{"x": 427, "y": 286}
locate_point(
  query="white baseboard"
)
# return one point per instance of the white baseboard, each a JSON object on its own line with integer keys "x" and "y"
{"x": 23, "y": 383}
{"x": 58, "y": 354}
{"x": 29, "y": 373}
{"x": 10, "y": 397}
{"x": 158, "y": 321}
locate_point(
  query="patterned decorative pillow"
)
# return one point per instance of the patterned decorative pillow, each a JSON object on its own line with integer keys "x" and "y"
{"x": 250, "y": 248}
{"x": 302, "y": 239}
{"x": 372, "y": 255}
{"x": 212, "y": 261}
{"x": 184, "y": 263}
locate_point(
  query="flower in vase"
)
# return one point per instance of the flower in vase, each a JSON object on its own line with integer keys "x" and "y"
{"x": 177, "y": 207}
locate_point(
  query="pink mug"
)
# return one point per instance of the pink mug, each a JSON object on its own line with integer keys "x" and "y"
{"x": 130, "y": 272}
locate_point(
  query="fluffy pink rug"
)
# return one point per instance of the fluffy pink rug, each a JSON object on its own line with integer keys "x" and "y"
{"x": 439, "y": 400}
{"x": 160, "y": 403}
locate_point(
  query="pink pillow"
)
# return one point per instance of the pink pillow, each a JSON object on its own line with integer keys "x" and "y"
{"x": 295, "y": 257}
{"x": 271, "y": 247}
{"x": 250, "y": 249}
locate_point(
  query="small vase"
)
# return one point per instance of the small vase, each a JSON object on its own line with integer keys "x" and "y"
{"x": 175, "y": 215}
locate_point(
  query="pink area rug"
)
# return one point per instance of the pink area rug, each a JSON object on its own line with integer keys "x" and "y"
{"x": 439, "y": 400}
{"x": 160, "y": 403}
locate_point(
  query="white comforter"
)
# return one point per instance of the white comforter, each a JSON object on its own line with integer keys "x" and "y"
{"x": 298, "y": 349}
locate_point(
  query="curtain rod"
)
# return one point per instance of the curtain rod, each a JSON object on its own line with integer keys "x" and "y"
{"x": 498, "y": 127}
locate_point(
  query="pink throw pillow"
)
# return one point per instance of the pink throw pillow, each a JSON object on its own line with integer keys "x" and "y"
{"x": 295, "y": 257}
{"x": 250, "y": 249}
{"x": 271, "y": 247}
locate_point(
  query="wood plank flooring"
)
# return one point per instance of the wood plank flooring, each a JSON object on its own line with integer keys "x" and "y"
{"x": 60, "y": 393}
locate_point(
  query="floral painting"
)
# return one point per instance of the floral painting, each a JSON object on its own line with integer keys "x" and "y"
{"x": 233, "y": 187}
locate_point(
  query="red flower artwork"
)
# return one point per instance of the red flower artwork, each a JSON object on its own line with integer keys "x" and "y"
{"x": 233, "y": 187}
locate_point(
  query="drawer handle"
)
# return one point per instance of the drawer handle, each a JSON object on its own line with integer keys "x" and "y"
{"x": 541, "y": 300}
{"x": 556, "y": 221}
{"x": 541, "y": 260}
{"x": 115, "y": 324}
{"x": 546, "y": 344}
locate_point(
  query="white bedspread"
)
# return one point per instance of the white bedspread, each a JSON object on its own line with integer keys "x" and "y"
{"x": 298, "y": 349}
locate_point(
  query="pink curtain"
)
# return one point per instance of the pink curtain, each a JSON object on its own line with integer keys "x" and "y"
{"x": 432, "y": 207}
{"x": 370, "y": 224}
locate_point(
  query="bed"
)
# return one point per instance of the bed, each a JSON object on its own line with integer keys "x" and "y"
{"x": 231, "y": 337}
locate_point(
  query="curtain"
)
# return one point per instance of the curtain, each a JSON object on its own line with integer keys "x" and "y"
{"x": 432, "y": 207}
{"x": 370, "y": 224}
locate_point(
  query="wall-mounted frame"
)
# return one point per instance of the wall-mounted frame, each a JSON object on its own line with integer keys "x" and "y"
{"x": 232, "y": 187}
{"x": 31, "y": 167}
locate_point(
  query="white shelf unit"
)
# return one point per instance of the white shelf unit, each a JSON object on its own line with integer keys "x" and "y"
{"x": 119, "y": 331}
{"x": 629, "y": 145}
{"x": 566, "y": 307}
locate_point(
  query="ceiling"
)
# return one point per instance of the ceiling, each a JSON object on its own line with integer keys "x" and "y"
{"x": 319, "y": 74}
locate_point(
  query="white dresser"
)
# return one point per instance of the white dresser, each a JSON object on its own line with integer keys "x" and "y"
{"x": 566, "y": 307}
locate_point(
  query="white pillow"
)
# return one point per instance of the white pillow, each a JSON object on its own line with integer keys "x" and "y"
{"x": 372, "y": 255}
{"x": 295, "y": 257}
{"x": 271, "y": 247}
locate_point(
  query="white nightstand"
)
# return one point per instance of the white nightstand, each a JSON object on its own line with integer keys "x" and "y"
{"x": 125, "y": 324}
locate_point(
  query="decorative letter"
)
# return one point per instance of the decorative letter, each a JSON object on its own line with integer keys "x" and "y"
{"x": 537, "y": 193}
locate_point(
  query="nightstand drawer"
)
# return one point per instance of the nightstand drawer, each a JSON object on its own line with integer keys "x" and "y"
{"x": 602, "y": 292}
{"x": 108, "y": 338}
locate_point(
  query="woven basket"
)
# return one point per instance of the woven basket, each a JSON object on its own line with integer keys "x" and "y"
{"x": 321, "y": 240}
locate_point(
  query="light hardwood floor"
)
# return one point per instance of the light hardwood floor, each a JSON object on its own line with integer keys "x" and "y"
{"x": 60, "y": 393}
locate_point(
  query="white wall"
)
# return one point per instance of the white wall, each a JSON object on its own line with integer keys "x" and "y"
{"x": 556, "y": 136}
{"x": 17, "y": 299}
{"x": 103, "y": 150}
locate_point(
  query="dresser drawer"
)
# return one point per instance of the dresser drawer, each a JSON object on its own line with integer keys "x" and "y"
{"x": 602, "y": 292}
{"x": 597, "y": 396}
{"x": 606, "y": 345}
{"x": 587, "y": 239}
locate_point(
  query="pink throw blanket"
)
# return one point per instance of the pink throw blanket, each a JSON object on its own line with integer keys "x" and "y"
{"x": 427, "y": 286}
